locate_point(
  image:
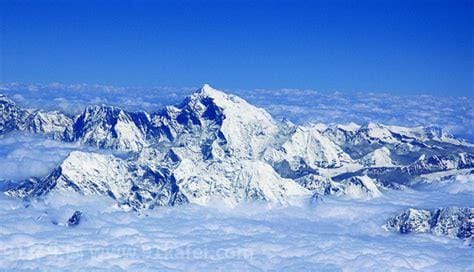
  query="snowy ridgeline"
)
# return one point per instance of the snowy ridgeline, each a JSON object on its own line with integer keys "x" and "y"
{"x": 217, "y": 148}
{"x": 452, "y": 221}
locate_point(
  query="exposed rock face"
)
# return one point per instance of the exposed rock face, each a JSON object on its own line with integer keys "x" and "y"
{"x": 395, "y": 177}
{"x": 55, "y": 124}
{"x": 132, "y": 186}
{"x": 111, "y": 127}
{"x": 451, "y": 221}
{"x": 75, "y": 219}
{"x": 357, "y": 187}
{"x": 11, "y": 116}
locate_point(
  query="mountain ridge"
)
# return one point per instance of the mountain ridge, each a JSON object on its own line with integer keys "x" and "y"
{"x": 215, "y": 145}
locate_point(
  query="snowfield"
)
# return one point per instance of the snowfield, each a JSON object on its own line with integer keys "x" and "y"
{"x": 336, "y": 234}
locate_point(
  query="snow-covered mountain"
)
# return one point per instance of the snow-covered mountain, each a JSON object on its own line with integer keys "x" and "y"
{"x": 378, "y": 158}
{"x": 55, "y": 124}
{"x": 111, "y": 127}
{"x": 133, "y": 186}
{"x": 11, "y": 116}
{"x": 451, "y": 221}
{"x": 217, "y": 147}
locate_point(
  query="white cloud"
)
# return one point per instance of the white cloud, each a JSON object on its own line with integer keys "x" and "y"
{"x": 336, "y": 235}
{"x": 25, "y": 155}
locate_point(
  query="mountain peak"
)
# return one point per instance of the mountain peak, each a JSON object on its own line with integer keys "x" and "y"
{"x": 101, "y": 107}
{"x": 206, "y": 87}
{"x": 245, "y": 127}
{"x": 372, "y": 125}
{"x": 5, "y": 99}
{"x": 209, "y": 92}
{"x": 228, "y": 102}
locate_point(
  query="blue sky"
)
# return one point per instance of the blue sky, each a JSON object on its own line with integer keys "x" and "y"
{"x": 401, "y": 47}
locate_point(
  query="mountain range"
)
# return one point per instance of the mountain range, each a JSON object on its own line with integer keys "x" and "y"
{"x": 216, "y": 147}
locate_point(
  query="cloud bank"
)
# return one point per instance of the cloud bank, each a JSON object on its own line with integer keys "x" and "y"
{"x": 335, "y": 235}
{"x": 26, "y": 155}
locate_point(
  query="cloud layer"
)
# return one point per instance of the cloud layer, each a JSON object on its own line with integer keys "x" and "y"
{"x": 335, "y": 235}
{"x": 27, "y": 155}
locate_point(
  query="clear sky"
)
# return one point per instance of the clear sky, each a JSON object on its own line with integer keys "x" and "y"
{"x": 402, "y": 46}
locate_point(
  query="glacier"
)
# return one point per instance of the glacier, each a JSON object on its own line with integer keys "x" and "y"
{"x": 217, "y": 157}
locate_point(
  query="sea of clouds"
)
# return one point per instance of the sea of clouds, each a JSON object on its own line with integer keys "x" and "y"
{"x": 336, "y": 234}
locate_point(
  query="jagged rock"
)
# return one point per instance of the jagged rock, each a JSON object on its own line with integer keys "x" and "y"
{"x": 54, "y": 124}
{"x": 316, "y": 199}
{"x": 75, "y": 219}
{"x": 132, "y": 186}
{"x": 306, "y": 147}
{"x": 396, "y": 177}
{"x": 318, "y": 184}
{"x": 451, "y": 221}
{"x": 111, "y": 127}
{"x": 360, "y": 187}
{"x": 11, "y": 116}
